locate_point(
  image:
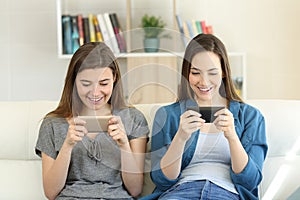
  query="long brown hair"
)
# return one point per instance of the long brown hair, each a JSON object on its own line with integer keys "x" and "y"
{"x": 89, "y": 56}
{"x": 202, "y": 43}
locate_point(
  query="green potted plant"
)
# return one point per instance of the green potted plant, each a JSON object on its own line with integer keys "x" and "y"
{"x": 153, "y": 27}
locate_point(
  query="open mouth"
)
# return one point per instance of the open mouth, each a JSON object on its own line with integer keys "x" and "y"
{"x": 95, "y": 100}
{"x": 205, "y": 90}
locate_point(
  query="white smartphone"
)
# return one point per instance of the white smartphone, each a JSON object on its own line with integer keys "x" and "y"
{"x": 96, "y": 123}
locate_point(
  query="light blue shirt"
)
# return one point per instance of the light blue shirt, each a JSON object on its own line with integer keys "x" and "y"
{"x": 250, "y": 128}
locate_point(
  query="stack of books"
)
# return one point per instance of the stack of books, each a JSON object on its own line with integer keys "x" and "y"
{"x": 78, "y": 30}
{"x": 190, "y": 28}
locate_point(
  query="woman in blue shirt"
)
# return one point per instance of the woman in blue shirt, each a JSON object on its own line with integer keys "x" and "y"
{"x": 197, "y": 159}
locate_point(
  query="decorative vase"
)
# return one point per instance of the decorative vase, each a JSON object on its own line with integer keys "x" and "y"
{"x": 151, "y": 44}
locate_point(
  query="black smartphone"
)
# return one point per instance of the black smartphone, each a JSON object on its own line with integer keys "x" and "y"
{"x": 207, "y": 113}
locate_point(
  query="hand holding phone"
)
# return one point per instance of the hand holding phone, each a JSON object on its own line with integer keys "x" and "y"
{"x": 96, "y": 123}
{"x": 207, "y": 113}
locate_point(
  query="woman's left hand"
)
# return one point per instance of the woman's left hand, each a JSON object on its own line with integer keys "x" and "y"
{"x": 117, "y": 131}
{"x": 225, "y": 123}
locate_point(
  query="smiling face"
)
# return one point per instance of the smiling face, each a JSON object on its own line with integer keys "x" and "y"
{"x": 205, "y": 78}
{"x": 94, "y": 87}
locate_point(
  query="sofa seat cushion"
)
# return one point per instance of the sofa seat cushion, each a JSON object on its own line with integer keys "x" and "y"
{"x": 21, "y": 178}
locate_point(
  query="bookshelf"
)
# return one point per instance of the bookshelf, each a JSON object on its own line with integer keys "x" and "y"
{"x": 154, "y": 75}
{"x": 237, "y": 62}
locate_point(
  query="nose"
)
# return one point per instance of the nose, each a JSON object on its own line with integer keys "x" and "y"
{"x": 96, "y": 91}
{"x": 203, "y": 79}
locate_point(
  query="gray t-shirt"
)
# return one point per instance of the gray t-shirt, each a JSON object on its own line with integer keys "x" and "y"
{"x": 94, "y": 171}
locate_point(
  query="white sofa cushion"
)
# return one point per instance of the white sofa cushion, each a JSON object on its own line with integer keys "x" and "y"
{"x": 21, "y": 179}
{"x": 281, "y": 168}
{"x": 20, "y": 168}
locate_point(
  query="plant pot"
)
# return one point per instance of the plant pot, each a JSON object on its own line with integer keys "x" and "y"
{"x": 151, "y": 44}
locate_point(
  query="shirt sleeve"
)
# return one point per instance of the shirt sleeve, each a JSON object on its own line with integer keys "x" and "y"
{"x": 255, "y": 144}
{"x": 136, "y": 124}
{"x": 45, "y": 142}
{"x": 161, "y": 139}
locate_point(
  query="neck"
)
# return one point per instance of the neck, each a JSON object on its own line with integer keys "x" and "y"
{"x": 219, "y": 101}
{"x": 103, "y": 111}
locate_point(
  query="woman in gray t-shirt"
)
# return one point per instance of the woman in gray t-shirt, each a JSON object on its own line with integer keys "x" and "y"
{"x": 78, "y": 164}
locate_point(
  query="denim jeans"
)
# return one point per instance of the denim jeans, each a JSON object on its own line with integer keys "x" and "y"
{"x": 196, "y": 190}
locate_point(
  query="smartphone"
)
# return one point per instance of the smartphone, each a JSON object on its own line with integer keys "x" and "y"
{"x": 96, "y": 123}
{"x": 207, "y": 113}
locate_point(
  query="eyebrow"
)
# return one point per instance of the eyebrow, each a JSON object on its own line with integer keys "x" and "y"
{"x": 106, "y": 79}
{"x": 212, "y": 69}
{"x": 103, "y": 80}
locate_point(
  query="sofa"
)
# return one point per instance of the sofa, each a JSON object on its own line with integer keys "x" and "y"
{"x": 21, "y": 170}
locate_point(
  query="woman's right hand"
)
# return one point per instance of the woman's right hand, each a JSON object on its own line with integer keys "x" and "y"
{"x": 76, "y": 131}
{"x": 190, "y": 121}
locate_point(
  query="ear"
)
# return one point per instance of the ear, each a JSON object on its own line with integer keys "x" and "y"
{"x": 223, "y": 74}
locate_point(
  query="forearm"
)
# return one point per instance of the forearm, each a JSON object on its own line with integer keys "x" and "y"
{"x": 55, "y": 174}
{"x": 239, "y": 157}
{"x": 171, "y": 161}
{"x": 132, "y": 169}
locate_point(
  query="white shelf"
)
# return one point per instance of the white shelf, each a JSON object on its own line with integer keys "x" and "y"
{"x": 135, "y": 55}
{"x": 237, "y": 59}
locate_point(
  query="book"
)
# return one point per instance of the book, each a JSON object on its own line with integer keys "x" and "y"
{"x": 86, "y": 29}
{"x": 180, "y": 28}
{"x": 186, "y": 30}
{"x": 67, "y": 34}
{"x": 117, "y": 30}
{"x": 121, "y": 33}
{"x": 111, "y": 33}
{"x": 92, "y": 28}
{"x": 103, "y": 28}
{"x": 198, "y": 25}
{"x": 203, "y": 26}
{"x": 75, "y": 34}
{"x": 195, "y": 30}
{"x": 98, "y": 33}
{"x": 209, "y": 29}
{"x": 190, "y": 28}
{"x": 80, "y": 29}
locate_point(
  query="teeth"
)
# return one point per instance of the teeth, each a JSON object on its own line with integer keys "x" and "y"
{"x": 95, "y": 99}
{"x": 204, "y": 89}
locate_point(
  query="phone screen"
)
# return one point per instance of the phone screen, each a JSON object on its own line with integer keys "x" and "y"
{"x": 96, "y": 123}
{"x": 207, "y": 113}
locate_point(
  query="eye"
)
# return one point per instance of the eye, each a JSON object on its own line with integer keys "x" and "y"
{"x": 103, "y": 83}
{"x": 84, "y": 84}
{"x": 195, "y": 72}
{"x": 213, "y": 74}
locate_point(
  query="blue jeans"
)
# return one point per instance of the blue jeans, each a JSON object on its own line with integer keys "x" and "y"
{"x": 198, "y": 190}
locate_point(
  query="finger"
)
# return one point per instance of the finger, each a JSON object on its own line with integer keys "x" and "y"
{"x": 114, "y": 120}
{"x": 223, "y": 117}
{"x": 78, "y": 121}
{"x": 223, "y": 123}
{"x": 223, "y": 111}
{"x": 114, "y": 133}
{"x": 75, "y": 137}
{"x": 113, "y": 127}
{"x": 195, "y": 119}
{"x": 120, "y": 139}
{"x": 79, "y": 134}
{"x": 80, "y": 128}
{"x": 189, "y": 113}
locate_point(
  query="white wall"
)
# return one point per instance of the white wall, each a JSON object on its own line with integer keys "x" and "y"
{"x": 29, "y": 65}
{"x": 266, "y": 30}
